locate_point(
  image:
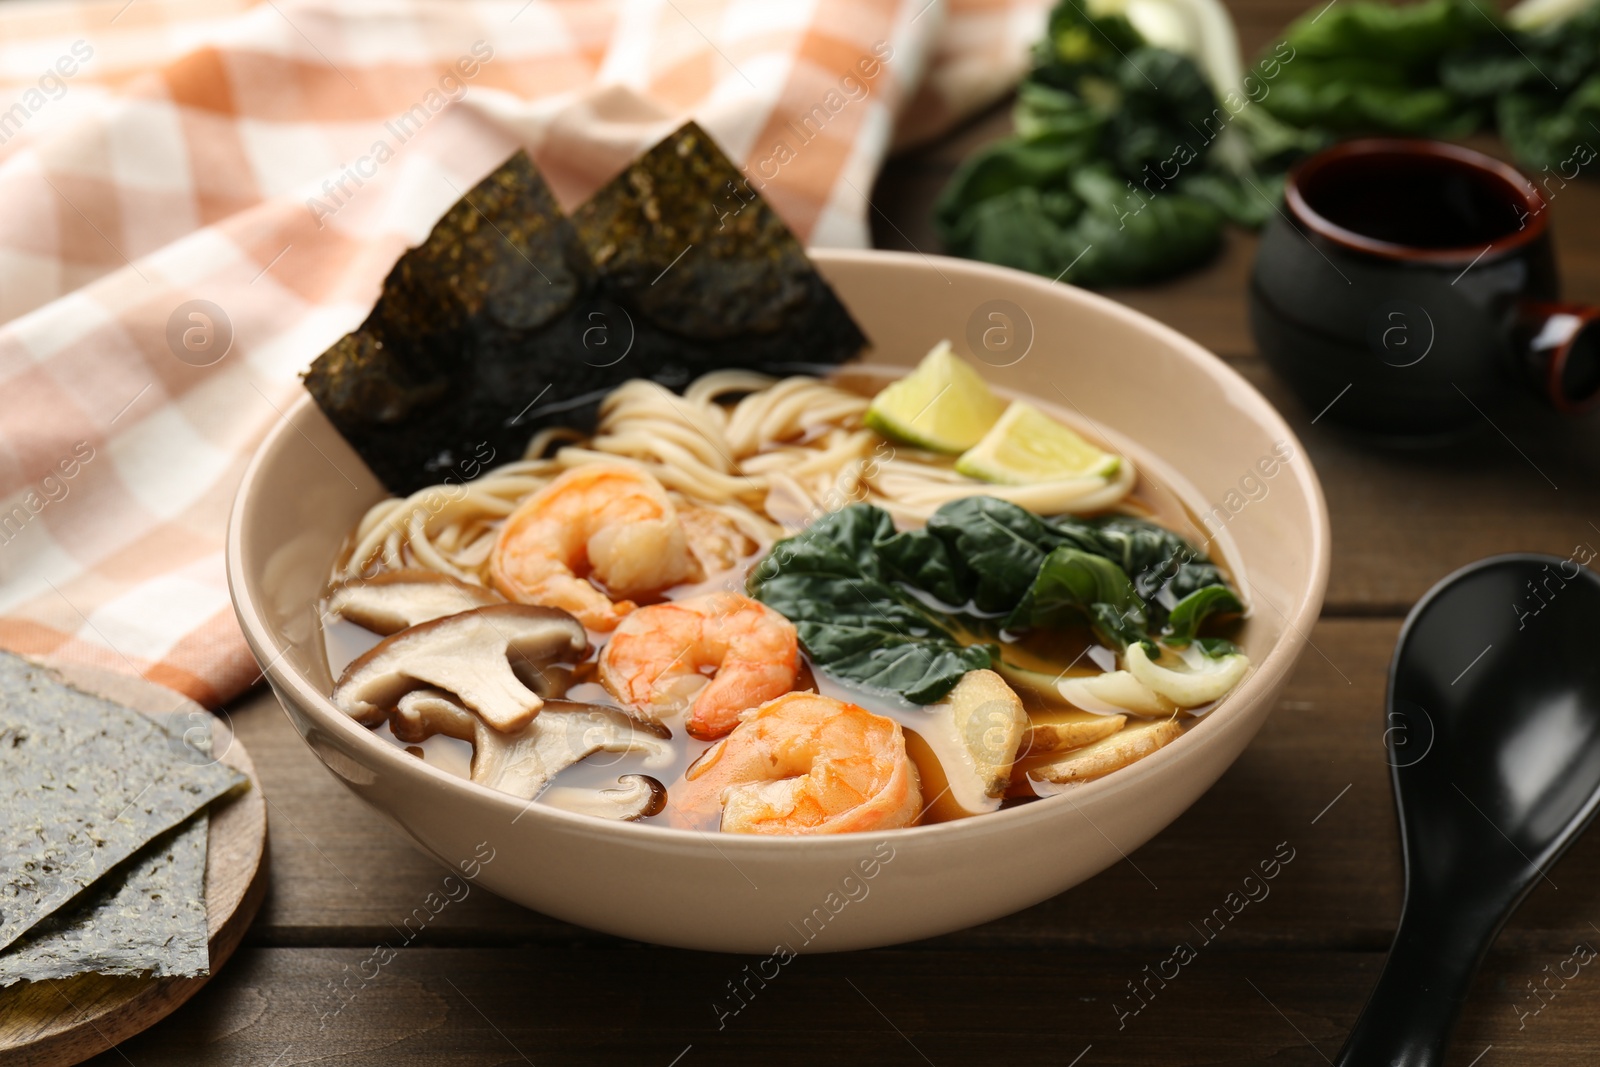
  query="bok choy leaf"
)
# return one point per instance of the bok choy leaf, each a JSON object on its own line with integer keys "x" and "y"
{"x": 895, "y": 612}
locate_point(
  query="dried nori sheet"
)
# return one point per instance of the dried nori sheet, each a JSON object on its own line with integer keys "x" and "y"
{"x": 145, "y": 917}
{"x": 474, "y": 326}
{"x": 84, "y": 784}
{"x": 511, "y": 317}
{"x": 710, "y": 274}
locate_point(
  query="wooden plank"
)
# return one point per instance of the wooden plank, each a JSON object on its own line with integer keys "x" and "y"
{"x": 1342, "y": 890}
{"x": 554, "y": 1005}
{"x": 1403, "y": 519}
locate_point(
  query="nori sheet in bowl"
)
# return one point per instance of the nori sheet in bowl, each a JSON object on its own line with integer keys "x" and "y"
{"x": 511, "y": 317}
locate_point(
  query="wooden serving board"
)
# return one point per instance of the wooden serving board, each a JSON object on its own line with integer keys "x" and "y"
{"x": 64, "y": 1021}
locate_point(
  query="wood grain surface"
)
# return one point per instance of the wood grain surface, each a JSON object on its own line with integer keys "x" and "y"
{"x": 65, "y": 1021}
{"x": 1280, "y": 983}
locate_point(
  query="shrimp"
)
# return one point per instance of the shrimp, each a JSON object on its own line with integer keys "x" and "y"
{"x": 807, "y": 764}
{"x": 654, "y": 662}
{"x": 610, "y": 520}
{"x": 714, "y": 539}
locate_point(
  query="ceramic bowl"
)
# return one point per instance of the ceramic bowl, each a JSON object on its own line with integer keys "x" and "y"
{"x": 1176, "y": 409}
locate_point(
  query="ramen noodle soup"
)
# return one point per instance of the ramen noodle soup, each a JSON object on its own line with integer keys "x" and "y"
{"x": 788, "y": 606}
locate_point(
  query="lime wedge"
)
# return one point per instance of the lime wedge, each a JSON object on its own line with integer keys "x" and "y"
{"x": 943, "y": 405}
{"x": 1027, "y": 447}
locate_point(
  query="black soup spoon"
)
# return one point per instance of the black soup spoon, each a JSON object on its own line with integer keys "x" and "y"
{"x": 1494, "y": 740}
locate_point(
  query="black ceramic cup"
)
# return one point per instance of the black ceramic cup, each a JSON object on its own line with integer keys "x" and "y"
{"x": 1408, "y": 290}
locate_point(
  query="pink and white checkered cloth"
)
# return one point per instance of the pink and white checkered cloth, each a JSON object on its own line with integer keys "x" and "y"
{"x": 274, "y": 159}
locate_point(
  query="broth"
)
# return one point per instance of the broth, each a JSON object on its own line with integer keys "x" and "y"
{"x": 1051, "y": 654}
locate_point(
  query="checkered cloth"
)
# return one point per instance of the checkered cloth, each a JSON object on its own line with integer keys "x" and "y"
{"x": 273, "y": 160}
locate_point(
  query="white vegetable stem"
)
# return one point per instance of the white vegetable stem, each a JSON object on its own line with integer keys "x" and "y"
{"x": 1537, "y": 14}
{"x": 1113, "y": 693}
{"x": 1205, "y": 680}
{"x": 1200, "y": 29}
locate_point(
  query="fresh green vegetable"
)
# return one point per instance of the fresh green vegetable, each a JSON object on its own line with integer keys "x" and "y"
{"x": 1097, "y": 231}
{"x": 1555, "y": 137}
{"x": 1364, "y": 66}
{"x": 1410, "y": 35}
{"x": 1199, "y": 29}
{"x": 1189, "y": 613}
{"x": 990, "y": 548}
{"x": 1092, "y": 188}
{"x": 855, "y": 623}
{"x": 1074, "y": 587}
{"x": 1447, "y": 67}
{"x": 1546, "y": 127}
{"x": 1126, "y": 162}
{"x": 1161, "y": 564}
{"x": 888, "y": 610}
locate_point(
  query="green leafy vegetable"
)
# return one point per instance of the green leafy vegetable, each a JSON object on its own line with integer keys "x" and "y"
{"x": 1125, "y": 163}
{"x": 1353, "y": 95}
{"x": 1073, "y": 586}
{"x": 1444, "y": 68}
{"x": 1536, "y": 61}
{"x": 854, "y": 623}
{"x": 1188, "y": 614}
{"x": 889, "y": 610}
{"x": 1239, "y": 202}
{"x": 996, "y": 547}
{"x": 1410, "y": 35}
{"x": 1373, "y": 66}
{"x": 1125, "y": 237}
{"x": 1216, "y": 647}
{"x": 1088, "y": 188}
{"x": 1558, "y": 137}
{"x": 987, "y": 552}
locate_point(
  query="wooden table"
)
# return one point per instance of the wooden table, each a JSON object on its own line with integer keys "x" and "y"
{"x": 489, "y": 982}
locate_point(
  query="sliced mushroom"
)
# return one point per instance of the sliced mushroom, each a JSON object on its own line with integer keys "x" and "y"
{"x": 470, "y": 655}
{"x": 637, "y": 796}
{"x": 1203, "y": 680}
{"x": 522, "y": 763}
{"x": 1113, "y": 753}
{"x": 395, "y": 600}
{"x": 425, "y": 712}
